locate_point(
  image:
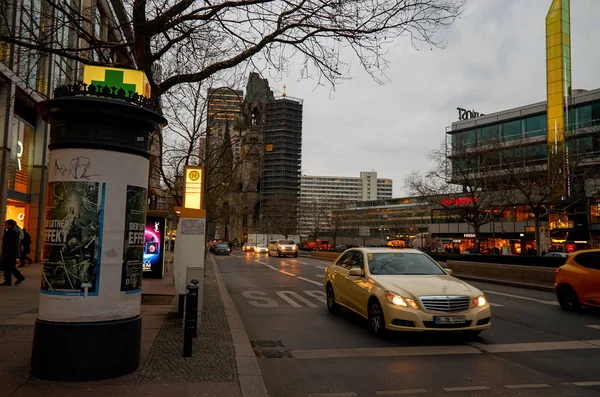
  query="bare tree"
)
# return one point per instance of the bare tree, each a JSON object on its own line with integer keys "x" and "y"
{"x": 531, "y": 181}
{"x": 463, "y": 183}
{"x": 317, "y": 216}
{"x": 193, "y": 40}
{"x": 336, "y": 219}
{"x": 283, "y": 217}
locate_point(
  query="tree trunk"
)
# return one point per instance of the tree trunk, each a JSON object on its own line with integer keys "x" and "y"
{"x": 476, "y": 230}
{"x": 538, "y": 238}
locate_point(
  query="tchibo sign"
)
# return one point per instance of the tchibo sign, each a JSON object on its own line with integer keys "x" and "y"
{"x": 464, "y": 114}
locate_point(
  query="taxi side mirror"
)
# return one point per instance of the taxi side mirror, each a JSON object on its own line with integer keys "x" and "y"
{"x": 449, "y": 271}
{"x": 356, "y": 271}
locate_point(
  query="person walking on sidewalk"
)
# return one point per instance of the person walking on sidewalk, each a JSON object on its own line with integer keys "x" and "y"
{"x": 10, "y": 252}
{"x": 25, "y": 248}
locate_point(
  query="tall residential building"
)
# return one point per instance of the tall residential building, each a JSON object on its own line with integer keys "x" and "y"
{"x": 320, "y": 195}
{"x": 280, "y": 190}
{"x": 28, "y": 77}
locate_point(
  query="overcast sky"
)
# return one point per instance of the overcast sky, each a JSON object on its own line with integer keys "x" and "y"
{"x": 494, "y": 60}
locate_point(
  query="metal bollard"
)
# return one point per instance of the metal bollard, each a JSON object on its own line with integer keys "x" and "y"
{"x": 196, "y": 314}
{"x": 188, "y": 329}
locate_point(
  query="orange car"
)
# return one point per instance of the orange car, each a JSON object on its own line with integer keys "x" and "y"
{"x": 577, "y": 282}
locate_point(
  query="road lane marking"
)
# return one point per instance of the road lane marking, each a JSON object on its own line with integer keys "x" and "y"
{"x": 309, "y": 281}
{"x": 343, "y": 394}
{"x": 535, "y": 346}
{"x": 261, "y": 300}
{"x": 528, "y": 386}
{"x": 584, "y": 384}
{"x": 495, "y": 304}
{"x": 318, "y": 295}
{"x": 284, "y": 295}
{"x": 552, "y": 303}
{"x": 384, "y": 352}
{"x": 321, "y": 267}
{"x": 593, "y": 326}
{"x": 284, "y": 272}
{"x": 465, "y": 388}
{"x": 400, "y": 392}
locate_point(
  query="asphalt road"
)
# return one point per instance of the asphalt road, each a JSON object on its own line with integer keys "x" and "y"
{"x": 532, "y": 349}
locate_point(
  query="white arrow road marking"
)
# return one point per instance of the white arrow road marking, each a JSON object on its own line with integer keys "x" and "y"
{"x": 260, "y": 300}
{"x": 319, "y": 295}
{"x": 593, "y": 326}
{"x": 284, "y": 295}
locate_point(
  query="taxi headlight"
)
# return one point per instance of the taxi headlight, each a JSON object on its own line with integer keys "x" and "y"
{"x": 480, "y": 301}
{"x": 397, "y": 300}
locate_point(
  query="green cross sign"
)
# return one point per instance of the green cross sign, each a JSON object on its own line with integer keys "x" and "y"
{"x": 115, "y": 78}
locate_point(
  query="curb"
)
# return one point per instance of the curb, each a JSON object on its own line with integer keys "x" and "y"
{"x": 249, "y": 375}
{"x": 506, "y": 283}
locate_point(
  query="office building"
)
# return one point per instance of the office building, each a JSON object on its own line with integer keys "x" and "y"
{"x": 280, "y": 189}
{"x": 320, "y": 195}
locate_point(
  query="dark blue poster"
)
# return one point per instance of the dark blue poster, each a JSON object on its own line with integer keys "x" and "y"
{"x": 154, "y": 247}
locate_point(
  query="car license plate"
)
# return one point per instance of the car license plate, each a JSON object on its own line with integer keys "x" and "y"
{"x": 450, "y": 320}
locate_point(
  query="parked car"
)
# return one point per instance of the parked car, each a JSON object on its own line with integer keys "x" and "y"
{"x": 248, "y": 247}
{"x": 222, "y": 249}
{"x": 577, "y": 282}
{"x": 557, "y": 254}
{"x": 283, "y": 248}
{"x": 404, "y": 290}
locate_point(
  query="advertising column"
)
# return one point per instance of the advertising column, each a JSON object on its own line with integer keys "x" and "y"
{"x": 89, "y": 321}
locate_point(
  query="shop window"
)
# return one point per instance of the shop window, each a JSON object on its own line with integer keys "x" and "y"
{"x": 20, "y": 164}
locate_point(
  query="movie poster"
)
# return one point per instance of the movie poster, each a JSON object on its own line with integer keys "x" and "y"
{"x": 133, "y": 242}
{"x": 154, "y": 242}
{"x": 73, "y": 238}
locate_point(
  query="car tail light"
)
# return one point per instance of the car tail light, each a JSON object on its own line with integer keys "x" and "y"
{"x": 557, "y": 270}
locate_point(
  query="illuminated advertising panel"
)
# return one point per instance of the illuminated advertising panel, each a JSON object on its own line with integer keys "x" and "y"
{"x": 154, "y": 247}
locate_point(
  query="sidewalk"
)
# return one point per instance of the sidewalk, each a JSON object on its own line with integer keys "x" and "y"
{"x": 223, "y": 362}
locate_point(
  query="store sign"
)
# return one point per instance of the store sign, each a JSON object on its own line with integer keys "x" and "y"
{"x": 458, "y": 201}
{"x": 127, "y": 79}
{"x": 19, "y": 154}
{"x": 469, "y": 235}
{"x": 464, "y": 114}
{"x": 193, "y": 196}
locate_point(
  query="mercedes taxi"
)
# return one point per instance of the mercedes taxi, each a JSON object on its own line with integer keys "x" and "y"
{"x": 404, "y": 290}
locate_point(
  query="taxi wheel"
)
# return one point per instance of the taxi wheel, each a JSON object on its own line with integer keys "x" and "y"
{"x": 376, "y": 319}
{"x": 332, "y": 306}
{"x": 567, "y": 298}
{"x": 295, "y": 255}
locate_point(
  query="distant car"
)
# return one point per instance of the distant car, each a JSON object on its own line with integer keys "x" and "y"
{"x": 222, "y": 249}
{"x": 283, "y": 248}
{"x": 404, "y": 290}
{"x": 557, "y": 254}
{"x": 261, "y": 249}
{"x": 577, "y": 281}
{"x": 248, "y": 247}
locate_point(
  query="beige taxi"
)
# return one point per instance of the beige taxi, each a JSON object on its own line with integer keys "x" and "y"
{"x": 404, "y": 290}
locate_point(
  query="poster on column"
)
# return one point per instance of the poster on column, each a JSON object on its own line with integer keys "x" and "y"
{"x": 133, "y": 241}
{"x": 154, "y": 247}
{"x": 73, "y": 238}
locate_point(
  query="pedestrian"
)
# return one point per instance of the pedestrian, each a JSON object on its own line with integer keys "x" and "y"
{"x": 10, "y": 252}
{"x": 25, "y": 248}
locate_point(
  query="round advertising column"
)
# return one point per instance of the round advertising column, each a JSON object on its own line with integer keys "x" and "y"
{"x": 89, "y": 324}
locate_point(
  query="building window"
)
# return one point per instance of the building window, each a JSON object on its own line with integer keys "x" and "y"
{"x": 512, "y": 130}
{"x": 535, "y": 126}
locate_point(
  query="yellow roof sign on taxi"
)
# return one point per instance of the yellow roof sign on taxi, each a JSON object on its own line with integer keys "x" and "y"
{"x": 127, "y": 79}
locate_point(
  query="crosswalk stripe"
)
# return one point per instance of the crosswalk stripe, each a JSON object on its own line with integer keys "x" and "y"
{"x": 310, "y": 281}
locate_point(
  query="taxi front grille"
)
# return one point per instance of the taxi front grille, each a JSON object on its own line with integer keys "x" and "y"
{"x": 446, "y": 304}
